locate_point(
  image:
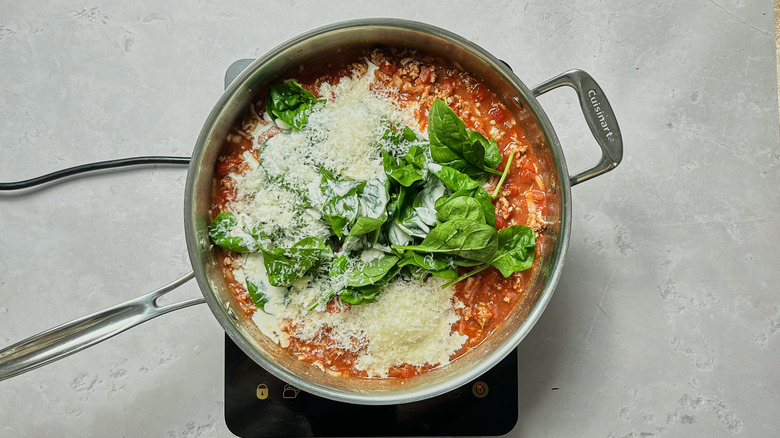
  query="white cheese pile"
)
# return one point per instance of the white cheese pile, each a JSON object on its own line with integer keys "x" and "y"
{"x": 410, "y": 321}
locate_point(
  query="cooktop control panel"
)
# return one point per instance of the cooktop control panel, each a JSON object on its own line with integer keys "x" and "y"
{"x": 258, "y": 404}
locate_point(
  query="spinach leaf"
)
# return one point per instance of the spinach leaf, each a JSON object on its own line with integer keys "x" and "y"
{"x": 396, "y": 202}
{"x": 339, "y": 266}
{"x": 262, "y": 237}
{"x": 396, "y": 235}
{"x": 516, "y": 248}
{"x": 373, "y": 197}
{"x": 508, "y": 166}
{"x": 406, "y": 175}
{"x": 291, "y": 103}
{"x": 474, "y": 152}
{"x": 361, "y": 282}
{"x": 417, "y": 217}
{"x": 486, "y": 203}
{"x": 453, "y": 145}
{"x": 425, "y": 261}
{"x": 461, "y": 208}
{"x": 480, "y": 195}
{"x": 257, "y": 297}
{"x": 460, "y": 237}
{"x": 403, "y": 136}
{"x": 285, "y": 265}
{"x": 357, "y": 296}
{"x": 458, "y": 261}
{"x": 447, "y": 274}
{"x": 492, "y": 156}
{"x": 367, "y": 294}
{"x": 427, "y": 197}
{"x": 428, "y": 264}
{"x": 418, "y": 156}
{"x": 365, "y": 274}
{"x": 221, "y": 230}
{"x": 364, "y": 225}
{"x": 407, "y": 218}
{"x": 354, "y": 208}
{"x": 447, "y": 134}
{"x": 341, "y": 201}
{"x": 452, "y": 178}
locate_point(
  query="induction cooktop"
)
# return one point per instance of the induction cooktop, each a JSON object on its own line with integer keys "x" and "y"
{"x": 257, "y": 404}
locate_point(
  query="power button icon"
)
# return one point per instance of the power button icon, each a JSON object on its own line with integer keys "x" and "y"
{"x": 479, "y": 389}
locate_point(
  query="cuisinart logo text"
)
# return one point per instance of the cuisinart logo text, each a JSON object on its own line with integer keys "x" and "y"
{"x": 594, "y": 102}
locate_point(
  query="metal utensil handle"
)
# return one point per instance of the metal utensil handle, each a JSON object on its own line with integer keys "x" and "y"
{"x": 599, "y": 116}
{"x": 69, "y": 338}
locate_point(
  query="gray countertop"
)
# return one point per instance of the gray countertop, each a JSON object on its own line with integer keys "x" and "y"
{"x": 666, "y": 318}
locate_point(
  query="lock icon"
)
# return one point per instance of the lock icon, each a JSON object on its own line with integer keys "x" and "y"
{"x": 262, "y": 391}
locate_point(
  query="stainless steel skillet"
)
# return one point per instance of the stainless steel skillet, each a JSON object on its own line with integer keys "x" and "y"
{"x": 520, "y": 100}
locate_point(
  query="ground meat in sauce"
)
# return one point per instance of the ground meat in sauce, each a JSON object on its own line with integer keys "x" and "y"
{"x": 487, "y": 298}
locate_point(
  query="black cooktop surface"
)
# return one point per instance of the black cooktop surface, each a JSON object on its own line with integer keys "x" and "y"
{"x": 258, "y": 404}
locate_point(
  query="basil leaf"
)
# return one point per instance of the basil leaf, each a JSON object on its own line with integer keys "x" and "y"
{"x": 291, "y": 103}
{"x": 257, "y": 297}
{"x": 461, "y": 208}
{"x": 221, "y": 230}
{"x": 516, "y": 250}
{"x": 460, "y": 237}
{"x": 285, "y": 265}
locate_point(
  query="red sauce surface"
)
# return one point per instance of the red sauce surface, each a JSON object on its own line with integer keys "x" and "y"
{"x": 488, "y": 297}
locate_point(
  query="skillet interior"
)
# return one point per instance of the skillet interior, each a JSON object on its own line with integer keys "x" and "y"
{"x": 332, "y": 40}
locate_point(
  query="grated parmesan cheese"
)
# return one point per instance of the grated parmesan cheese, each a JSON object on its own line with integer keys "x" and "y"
{"x": 411, "y": 320}
{"x": 398, "y": 328}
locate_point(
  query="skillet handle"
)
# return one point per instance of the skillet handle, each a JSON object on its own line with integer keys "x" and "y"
{"x": 69, "y": 338}
{"x": 599, "y": 116}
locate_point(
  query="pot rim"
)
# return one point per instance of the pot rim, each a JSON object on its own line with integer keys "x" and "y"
{"x": 197, "y": 245}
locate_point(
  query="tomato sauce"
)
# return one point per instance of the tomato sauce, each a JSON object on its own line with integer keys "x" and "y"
{"x": 487, "y": 298}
